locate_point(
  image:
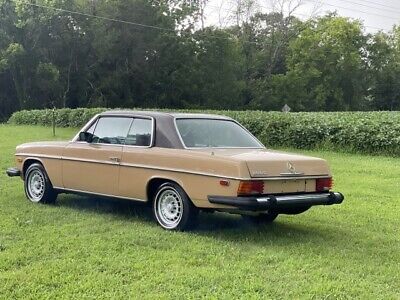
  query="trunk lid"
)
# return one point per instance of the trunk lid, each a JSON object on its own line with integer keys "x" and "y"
{"x": 281, "y": 172}
{"x": 263, "y": 163}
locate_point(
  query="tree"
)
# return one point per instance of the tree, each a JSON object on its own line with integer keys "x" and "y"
{"x": 384, "y": 70}
{"x": 218, "y": 70}
{"x": 152, "y": 53}
{"x": 326, "y": 67}
{"x": 272, "y": 34}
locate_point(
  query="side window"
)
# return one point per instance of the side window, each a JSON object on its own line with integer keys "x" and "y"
{"x": 140, "y": 133}
{"x": 111, "y": 130}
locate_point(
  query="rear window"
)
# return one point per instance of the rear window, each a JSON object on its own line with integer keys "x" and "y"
{"x": 204, "y": 133}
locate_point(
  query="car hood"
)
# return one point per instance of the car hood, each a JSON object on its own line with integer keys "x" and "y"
{"x": 41, "y": 148}
{"x": 264, "y": 163}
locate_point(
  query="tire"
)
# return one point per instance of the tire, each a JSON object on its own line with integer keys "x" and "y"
{"x": 263, "y": 218}
{"x": 172, "y": 208}
{"x": 38, "y": 188}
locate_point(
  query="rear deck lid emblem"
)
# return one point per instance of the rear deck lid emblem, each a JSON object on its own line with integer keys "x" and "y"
{"x": 291, "y": 168}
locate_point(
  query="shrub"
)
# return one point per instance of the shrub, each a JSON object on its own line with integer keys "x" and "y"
{"x": 367, "y": 132}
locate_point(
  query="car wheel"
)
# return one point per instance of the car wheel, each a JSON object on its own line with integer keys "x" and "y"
{"x": 38, "y": 188}
{"x": 268, "y": 217}
{"x": 172, "y": 208}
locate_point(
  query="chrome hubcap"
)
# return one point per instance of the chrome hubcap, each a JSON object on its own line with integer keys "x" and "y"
{"x": 36, "y": 185}
{"x": 169, "y": 208}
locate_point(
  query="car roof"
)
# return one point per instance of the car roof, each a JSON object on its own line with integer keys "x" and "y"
{"x": 199, "y": 116}
{"x": 156, "y": 114}
{"x": 166, "y": 134}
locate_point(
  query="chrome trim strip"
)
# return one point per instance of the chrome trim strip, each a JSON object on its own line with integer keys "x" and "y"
{"x": 31, "y": 155}
{"x": 296, "y": 174}
{"x": 98, "y": 194}
{"x": 95, "y": 144}
{"x": 293, "y": 177}
{"x": 103, "y": 144}
{"x": 177, "y": 170}
{"x": 294, "y": 197}
{"x": 230, "y": 120}
{"x": 219, "y": 175}
{"x": 105, "y": 162}
{"x": 174, "y": 170}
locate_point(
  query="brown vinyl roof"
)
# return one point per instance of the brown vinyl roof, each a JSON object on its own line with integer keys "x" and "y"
{"x": 155, "y": 114}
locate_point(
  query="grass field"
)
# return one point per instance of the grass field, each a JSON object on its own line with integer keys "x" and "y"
{"x": 87, "y": 248}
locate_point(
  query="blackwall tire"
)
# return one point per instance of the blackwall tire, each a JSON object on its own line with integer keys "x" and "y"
{"x": 38, "y": 188}
{"x": 172, "y": 208}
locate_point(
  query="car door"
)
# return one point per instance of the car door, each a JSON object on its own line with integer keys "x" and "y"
{"x": 94, "y": 166}
{"x": 133, "y": 172}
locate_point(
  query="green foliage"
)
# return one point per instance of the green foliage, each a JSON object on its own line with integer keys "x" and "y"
{"x": 53, "y": 58}
{"x": 367, "y": 132}
{"x": 327, "y": 66}
{"x": 11, "y": 55}
{"x": 96, "y": 248}
{"x": 384, "y": 71}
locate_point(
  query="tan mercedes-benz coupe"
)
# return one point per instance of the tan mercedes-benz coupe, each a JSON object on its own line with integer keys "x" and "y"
{"x": 178, "y": 163}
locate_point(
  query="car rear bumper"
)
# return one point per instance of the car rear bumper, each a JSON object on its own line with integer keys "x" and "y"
{"x": 260, "y": 203}
{"x": 13, "y": 172}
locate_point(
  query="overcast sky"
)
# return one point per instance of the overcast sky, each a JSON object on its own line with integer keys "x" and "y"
{"x": 375, "y": 14}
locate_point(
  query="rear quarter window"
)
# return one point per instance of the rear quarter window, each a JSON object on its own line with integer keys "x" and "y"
{"x": 140, "y": 133}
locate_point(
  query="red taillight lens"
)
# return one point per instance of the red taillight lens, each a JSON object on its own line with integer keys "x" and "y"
{"x": 250, "y": 187}
{"x": 323, "y": 184}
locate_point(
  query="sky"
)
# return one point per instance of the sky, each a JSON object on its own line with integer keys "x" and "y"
{"x": 375, "y": 14}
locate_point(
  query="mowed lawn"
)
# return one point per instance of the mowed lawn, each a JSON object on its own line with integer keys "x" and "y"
{"x": 98, "y": 248}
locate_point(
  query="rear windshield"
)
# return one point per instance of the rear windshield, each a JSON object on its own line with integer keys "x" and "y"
{"x": 204, "y": 133}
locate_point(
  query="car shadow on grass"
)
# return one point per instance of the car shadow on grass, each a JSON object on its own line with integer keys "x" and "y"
{"x": 217, "y": 225}
{"x": 117, "y": 208}
{"x": 282, "y": 230}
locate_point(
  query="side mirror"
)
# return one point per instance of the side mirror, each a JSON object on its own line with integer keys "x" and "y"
{"x": 85, "y": 137}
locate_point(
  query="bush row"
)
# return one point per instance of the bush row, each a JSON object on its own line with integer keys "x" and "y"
{"x": 367, "y": 132}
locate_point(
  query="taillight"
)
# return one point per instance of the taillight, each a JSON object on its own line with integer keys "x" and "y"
{"x": 323, "y": 184}
{"x": 250, "y": 187}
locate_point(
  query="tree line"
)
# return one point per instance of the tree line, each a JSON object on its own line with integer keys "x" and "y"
{"x": 152, "y": 53}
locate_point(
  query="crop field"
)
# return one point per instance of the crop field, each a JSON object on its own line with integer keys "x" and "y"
{"x": 354, "y": 132}
{"x": 89, "y": 248}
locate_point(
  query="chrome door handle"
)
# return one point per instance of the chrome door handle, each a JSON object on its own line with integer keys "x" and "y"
{"x": 116, "y": 159}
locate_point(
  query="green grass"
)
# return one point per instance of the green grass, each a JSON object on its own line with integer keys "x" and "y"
{"x": 95, "y": 248}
